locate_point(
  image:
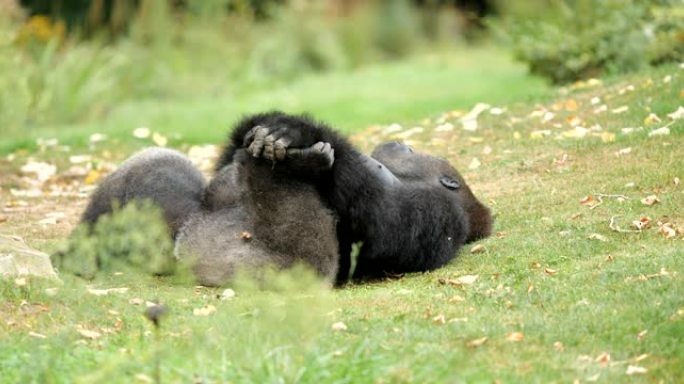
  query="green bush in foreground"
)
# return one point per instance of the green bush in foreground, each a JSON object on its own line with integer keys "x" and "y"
{"x": 134, "y": 236}
{"x": 578, "y": 39}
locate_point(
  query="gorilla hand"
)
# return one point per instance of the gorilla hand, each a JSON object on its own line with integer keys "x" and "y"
{"x": 276, "y": 145}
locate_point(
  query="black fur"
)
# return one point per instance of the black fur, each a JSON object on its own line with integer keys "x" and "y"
{"x": 250, "y": 215}
{"x": 395, "y": 201}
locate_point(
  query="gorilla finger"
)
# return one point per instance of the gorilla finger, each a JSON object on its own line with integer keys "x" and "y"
{"x": 268, "y": 147}
{"x": 258, "y": 144}
{"x": 280, "y": 147}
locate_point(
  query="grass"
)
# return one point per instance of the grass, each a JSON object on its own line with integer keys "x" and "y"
{"x": 380, "y": 94}
{"x": 555, "y": 302}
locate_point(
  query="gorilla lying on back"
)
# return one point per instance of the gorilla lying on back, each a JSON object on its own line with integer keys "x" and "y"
{"x": 412, "y": 211}
{"x": 249, "y": 216}
{"x": 284, "y": 182}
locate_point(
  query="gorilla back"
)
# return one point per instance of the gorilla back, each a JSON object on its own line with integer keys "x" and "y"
{"x": 163, "y": 176}
{"x": 250, "y": 216}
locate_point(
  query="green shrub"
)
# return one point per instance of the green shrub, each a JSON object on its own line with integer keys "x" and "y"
{"x": 575, "y": 39}
{"x": 133, "y": 236}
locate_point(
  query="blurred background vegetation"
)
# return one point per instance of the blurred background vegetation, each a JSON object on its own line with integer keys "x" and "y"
{"x": 71, "y": 61}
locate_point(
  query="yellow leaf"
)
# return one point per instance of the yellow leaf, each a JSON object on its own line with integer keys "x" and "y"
{"x": 339, "y": 326}
{"x": 515, "y": 337}
{"x": 477, "y": 342}
{"x": 204, "y": 311}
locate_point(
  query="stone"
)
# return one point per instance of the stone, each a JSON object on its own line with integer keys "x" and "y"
{"x": 18, "y": 259}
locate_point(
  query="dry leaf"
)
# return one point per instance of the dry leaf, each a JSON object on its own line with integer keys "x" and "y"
{"x": 620, "y": 110}
{"x": 515, "y": 337}
{"x": 37, "y": 335}
{"x": 603, "y": 359}
{"x": 439, "y": 319}
{"x": 664, "y": 131}
{"x": 650, "y": 200}
{"x": 20, "y": 282}
{"x": 550, "y": 271}
{"x": 678, "y": 114}
{"x": 244, "y": 235}
{"x": 142, "y": 133}
{"x": 676, "y": 181}
{"x": 479, "y": 248}
{"x": 587, "y": 200}
{"x": 204, "y": 311}
{"x": 456, "y": 299}
{"x": 642, "y": 223}
{"x": 474, "y": 164}
{"x": 136, "y": 301}
{"x": 477, "y": 342}
{"x": 159, "y": 139}
{"x": 79, "y": 159}
{"x": 635, "y": 370}
{"x": 105, "y": 292}
{"x": 667, "y": 230}
{"x": 600, "y": 109}
{"x": 652, "y": 119}
{"x": 642, "y": 334}
{"x": 599, "y": 237}
{"x": 42, "y": 171}
{"x": 558, "y": 346}
{"x": 227, "y": 294}
{"x": 624, "y": 151}
{"x": 530, "y": 288}
{"x": 339, "y": 326}
{"x": 88, "y": 334}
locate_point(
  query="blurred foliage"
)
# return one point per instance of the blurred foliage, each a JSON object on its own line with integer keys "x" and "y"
{"x": 133, "y": 236}
{"x": 49, "y": 74}
{"x": 576, "y": 39}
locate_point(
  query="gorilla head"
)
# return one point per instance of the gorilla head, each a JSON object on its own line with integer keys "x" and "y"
{"x": 409, "y": 166}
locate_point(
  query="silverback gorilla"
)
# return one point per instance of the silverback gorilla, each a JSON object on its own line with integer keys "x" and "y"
{"x": 289, "y": 189}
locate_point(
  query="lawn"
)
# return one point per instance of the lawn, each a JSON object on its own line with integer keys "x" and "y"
{"x": 568, "y": 289}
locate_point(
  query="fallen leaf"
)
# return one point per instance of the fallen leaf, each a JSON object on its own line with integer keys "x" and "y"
{"x": 105, "y": 292}
{"x": 159, "y": 139}
{"x": 474, "y": 164}
{"x": 571, "y": 105}
{"x": 667, "y": 79}
{"x": 642, "y": 223}
{"x": 678, "y": 114}
{"x": 664, "y": 131}
{"x": 603, "y": 359}
{"x": 245, "y": 236}
{"x": 477, "y": 342}
{"x": 20, "y": 282}
{"x": 620, "y": 110}
{"x": 339, "y": 326}
{"x": 204, "y": 311}
{"x": 88, "y": 334}
{"x": 667, "y": 230}
{"x": 599, "y": 237}
{"x": 650, "y": 200}
{"x": 515, "y": 337}
{"x": 558, "y": 346}
{"x": 97, "y": 138}
{"x": 642, "y": 334}
{"x": 446, "y": 127}
{"x": 456, "y": 299}
{"x": 624, "y": 151}
{"x": 439, "y": 319}
{"x": 600, "y": 109}
{"x": 142, "y": 133}
{"x": 37, "y": 335}
{"x": 530, "y": 288}
{"x": 635, "y": 370}
{"x": 479, "y": 248}
{"x": 227, "y": 294}
{"x": 595, "y": 100}
{"x": 676, "y": 181}
{"x": 550, "y": 271}
{"x": 136, "y": 301}
{"x": 487, "y": 150}
{"x": 79, "y": 159}
{"x": 652, "y": 119}
{"x": 587, "y": 200}
{"x": 42, "y": 171}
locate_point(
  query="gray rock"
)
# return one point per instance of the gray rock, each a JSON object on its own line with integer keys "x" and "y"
{"x": 18, "y": 259}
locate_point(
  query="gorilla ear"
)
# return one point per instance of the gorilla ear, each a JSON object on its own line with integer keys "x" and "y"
{"x": 449, "y": 182}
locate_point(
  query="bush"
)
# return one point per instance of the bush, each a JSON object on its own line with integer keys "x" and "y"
{"x": 133, "y": 236}
{"x": 578, "y": 39}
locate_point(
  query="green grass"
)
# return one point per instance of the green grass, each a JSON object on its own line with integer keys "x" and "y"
{"x": 384, "y": 93}
{"x": 573, "y": 298}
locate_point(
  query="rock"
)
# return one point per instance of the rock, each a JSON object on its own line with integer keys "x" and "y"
{"x": 18, "y": 259}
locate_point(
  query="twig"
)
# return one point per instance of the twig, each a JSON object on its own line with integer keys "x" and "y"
{"x": 613, "y": 226}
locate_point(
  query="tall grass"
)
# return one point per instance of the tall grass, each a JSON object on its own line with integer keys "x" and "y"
{"x": 49, "y": 78}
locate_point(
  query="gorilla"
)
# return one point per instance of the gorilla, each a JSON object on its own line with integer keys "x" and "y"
{"x": 411, "y": 211}
{"x": 288, "y": 189}
{"x": 249, "y": 215}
